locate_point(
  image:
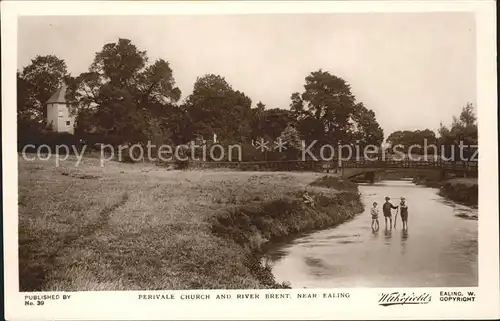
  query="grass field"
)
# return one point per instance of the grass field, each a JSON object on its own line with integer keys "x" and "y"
{"x": 139, "y": 226}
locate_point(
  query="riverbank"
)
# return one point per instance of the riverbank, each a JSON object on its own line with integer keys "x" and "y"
{"x": 460, "y": 190}
{"x": 252, "y": 227}
{"x": 428, "y": 181}
{"x": 140, "y": 226}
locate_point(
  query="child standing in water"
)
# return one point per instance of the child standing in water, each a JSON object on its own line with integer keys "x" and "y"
{"x": 374, "y": 212}
{"x": 387, "y": 207}
{"x": 404, "y": 213}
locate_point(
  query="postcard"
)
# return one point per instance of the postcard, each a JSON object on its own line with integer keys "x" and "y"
{"x": 229, "y": 160}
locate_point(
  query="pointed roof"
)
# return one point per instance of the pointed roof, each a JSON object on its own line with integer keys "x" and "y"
{"x": 58, "y": 96}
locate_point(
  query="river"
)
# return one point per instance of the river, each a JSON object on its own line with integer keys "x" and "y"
{"x": 439, "y": 248}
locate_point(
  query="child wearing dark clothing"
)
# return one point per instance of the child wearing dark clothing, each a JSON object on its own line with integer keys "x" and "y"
{"x": 404, "y": 213}
{"x": 387, "y": 207}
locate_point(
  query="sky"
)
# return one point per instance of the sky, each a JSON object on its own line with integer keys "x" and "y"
{"x": 414, "y": 70}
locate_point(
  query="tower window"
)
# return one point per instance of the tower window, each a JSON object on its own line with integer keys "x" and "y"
{"x": 67, "y": 123}
{"x": 60, "y": 114}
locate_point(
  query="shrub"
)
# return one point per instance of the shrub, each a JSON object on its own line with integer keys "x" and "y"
{"x": 49, "y": 138}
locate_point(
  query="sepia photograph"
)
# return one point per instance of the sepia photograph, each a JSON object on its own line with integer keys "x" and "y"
{"x": 323, "y": 152}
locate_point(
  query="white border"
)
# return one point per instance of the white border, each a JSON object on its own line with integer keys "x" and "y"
{"x": 362, "y": 304}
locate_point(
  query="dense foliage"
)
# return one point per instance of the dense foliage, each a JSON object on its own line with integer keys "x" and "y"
{"x": 125, "y": 99}
{"x": 463, "y": 130}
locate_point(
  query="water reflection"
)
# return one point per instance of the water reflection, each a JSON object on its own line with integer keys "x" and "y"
{"x": 346, "y": 242}
{"x": 317, "y": 267}
{"x": 387, "y": 234}
{"x": 313, "y": 262}
{"x": 404, "y": 236}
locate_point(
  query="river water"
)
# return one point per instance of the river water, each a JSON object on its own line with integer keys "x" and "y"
{"x": 439, "y": 248}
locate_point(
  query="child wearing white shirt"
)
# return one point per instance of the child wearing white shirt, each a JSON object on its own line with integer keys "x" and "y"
{"x": 374, "y": 213}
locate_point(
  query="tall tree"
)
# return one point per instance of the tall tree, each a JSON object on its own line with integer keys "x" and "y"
{"x": 215, "y": 107}
{"x": 462, "y": 130}
{"x": 367, "y": 130}
{"x": 25, "y": 107}
{"x": 272, "y": 122}
{"x": 328, "y": 112}
{"x": 297, "y": 107}
{"x": 122, "y": 98}
{"x": 38, "y": 81}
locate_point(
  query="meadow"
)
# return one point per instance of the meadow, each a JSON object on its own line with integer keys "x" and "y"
{"x": 141, "y": 226}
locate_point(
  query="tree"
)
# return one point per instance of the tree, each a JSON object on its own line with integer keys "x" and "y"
{"x": 260, "y": 106}
{"x": 462, "y": 130}
{"x": 37, "y": 82}
{"x": 291, "y": 136}
{"x": 29, "y": 122}
{"x": 272, "y": 122}
{"x": 257, "y": 118}
{"x": 293, "y": 144}
{"x": 328, "y": 98}
{"x": 367, "y": 130}
{"x": 25, "y": 106}
{"x": 409, "y": 138}
{"x": 123, "y": 99}
{"x": 328, "y": 112}
{"x": 297, "y": 107}
{"x": 468, "y": 116}
{"x": 215, "y": 107}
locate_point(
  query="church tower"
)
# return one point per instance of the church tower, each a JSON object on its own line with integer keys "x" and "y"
{"x": 58, "y": 115}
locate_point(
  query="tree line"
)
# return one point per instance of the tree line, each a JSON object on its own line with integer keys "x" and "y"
{"x": 124, "y": 98}
{"x": 463, "y": 130}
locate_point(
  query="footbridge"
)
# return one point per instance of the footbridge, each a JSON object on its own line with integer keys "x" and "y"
{"x": 352, "y": 168}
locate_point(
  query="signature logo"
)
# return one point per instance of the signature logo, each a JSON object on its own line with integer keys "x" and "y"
{"x": 401, "y": 298}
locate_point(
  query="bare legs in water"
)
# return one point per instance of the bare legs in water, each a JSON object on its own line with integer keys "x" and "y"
{"x": 390, "y": 221}
{"x": 405, "y": 224}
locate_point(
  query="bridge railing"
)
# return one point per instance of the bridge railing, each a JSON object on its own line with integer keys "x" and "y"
{"x": 438, "y": 164}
